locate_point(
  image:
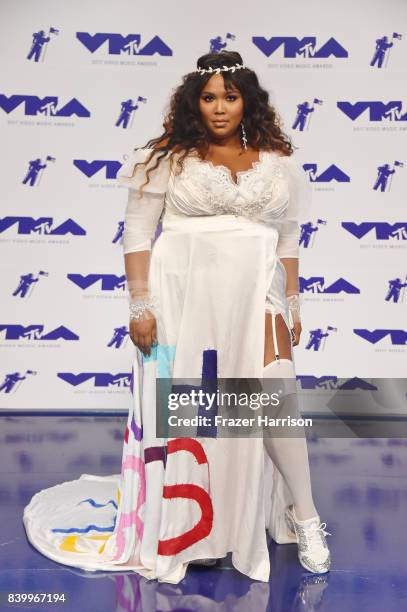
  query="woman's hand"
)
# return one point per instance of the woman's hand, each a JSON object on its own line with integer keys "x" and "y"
{"x": 143, "y": 332}
{"x": 296, "y": 332}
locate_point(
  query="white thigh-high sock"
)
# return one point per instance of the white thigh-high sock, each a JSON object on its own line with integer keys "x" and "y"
{"x": 290, "y": 455}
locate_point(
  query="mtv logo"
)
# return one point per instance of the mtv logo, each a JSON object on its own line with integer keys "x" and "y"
{"x": 397, "y": 336}
{"x": 48, "y": 106}
{"x": 119, "y": 45}
{"x": 383, "y": 230}
{"x": 99, "y": 379}
{"x": 109, "y": 282}
{"x": 89, "y": 169}
{"x": 299, "y": 47}
{"x": 357, "y": 383}
{"x": 316, "y": 284}
{"x": 331, "y": 173}
{"x": 42, "y": 225}
{"x": 377, "y": 111}
{"x": 35, "y": 332}
{"x": 317, "y": 382}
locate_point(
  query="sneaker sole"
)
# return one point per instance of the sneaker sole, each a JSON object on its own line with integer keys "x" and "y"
{"x": 305, "y": 566}
{"x": 290, "y": 525}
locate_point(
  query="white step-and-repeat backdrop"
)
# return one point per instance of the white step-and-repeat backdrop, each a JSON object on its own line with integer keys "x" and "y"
{"x": 84, "y": 83}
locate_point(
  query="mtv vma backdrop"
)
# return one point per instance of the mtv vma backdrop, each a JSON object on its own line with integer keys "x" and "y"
{"x": 81, "y": 89}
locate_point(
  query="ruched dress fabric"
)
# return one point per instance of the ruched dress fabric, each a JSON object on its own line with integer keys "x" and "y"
{"x": 215, "y": 270}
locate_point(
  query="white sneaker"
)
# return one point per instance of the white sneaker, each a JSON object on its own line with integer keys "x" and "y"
{"x": 313, "y": 551}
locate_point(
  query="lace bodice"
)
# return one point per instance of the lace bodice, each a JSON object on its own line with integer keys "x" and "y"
{"x": 273, "y": 191}
{"x": 207, "y": 189}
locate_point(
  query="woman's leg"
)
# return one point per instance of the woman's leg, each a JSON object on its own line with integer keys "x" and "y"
{"x": 290, "y": 455}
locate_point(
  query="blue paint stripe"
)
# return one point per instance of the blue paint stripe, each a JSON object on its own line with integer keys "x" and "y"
{"x": 96, "y": 505}
{"x": 85, "y": 529}
{"x": 209, "y": 385}
{"x": 166, "y": 356}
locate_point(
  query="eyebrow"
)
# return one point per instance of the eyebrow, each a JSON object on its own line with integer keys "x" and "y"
{"x": 229, "y": 91}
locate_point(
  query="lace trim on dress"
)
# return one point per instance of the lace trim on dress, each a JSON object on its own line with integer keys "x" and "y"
{"x": 254, "y": 167}
{"x": 225, "y": 196}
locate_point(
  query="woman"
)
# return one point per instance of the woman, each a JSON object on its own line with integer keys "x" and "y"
{"x": 217, "y": 295}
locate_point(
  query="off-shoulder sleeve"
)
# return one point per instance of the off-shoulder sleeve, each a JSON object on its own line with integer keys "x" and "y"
{"x": 132, "y": 177}
{"x": 299, "y": 204}
{"x": 143, "y": 211}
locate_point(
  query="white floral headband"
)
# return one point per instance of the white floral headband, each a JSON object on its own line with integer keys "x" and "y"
{"x": 220, "y": 69}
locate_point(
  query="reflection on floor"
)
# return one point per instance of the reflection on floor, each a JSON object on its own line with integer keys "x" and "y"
{"x": 359, "y": 489}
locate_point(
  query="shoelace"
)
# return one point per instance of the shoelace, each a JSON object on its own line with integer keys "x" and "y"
{"x": 312, "y": 532}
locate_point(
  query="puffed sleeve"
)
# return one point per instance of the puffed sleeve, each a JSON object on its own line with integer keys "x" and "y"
{"x": 143, "y": 211}
{"x": 299, "y": 204}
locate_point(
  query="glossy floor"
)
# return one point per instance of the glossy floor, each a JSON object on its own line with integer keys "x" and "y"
{"x": 360, "y": 490}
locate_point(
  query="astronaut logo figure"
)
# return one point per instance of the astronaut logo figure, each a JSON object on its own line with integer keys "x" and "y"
{"x": 34, "y": 168}
{"x": 308, "y": 233}
{"x": 119, "y": 233}
{"x": 304, "y": 110}
{"x": 118, "y": 336}
{"x": 34, "y": 173}
{"x": 11, "y": 380}
{"x": 127, "y": 108}
{"x": 27, "y": 282}
{"x": 395, "y": 286}
{"x": 316, "y": 336}
{"x": 302, "y": 113}
{"x": 217, "y": 44}
{"x": 382, "y": 47}
{"x": 383, "y": 173}
{"x": 307, "y": 230}
{"x": 38, "y": 45}
{"x": 39, "y": 40}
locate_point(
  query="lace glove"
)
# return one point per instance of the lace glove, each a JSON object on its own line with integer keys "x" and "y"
{"x": 142, "y": 303}
{"x": 142, "y": 309}
{"x": 294, "y": 309}
{"x": 140, "y": 222}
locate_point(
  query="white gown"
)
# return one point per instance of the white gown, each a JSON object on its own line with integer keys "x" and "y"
{"x": 215, "y": 268}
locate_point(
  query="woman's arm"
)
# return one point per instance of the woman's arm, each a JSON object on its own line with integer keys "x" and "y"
{"x": 291, "y": 267}
{"x": 141, "y": 218}
{"x": 140, "y": 223}
{"x": 289, "y": 235}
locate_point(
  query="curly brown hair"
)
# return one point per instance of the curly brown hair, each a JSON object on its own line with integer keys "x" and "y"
{"x": 184, "y": 130}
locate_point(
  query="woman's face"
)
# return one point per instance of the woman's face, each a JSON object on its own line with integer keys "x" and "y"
{"x": 221, "y": 110}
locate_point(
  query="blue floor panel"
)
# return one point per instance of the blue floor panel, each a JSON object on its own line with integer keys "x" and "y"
{"x": 360, "y": 490}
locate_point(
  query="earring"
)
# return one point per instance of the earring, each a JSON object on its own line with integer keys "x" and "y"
{"x": 244, "y": 137}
